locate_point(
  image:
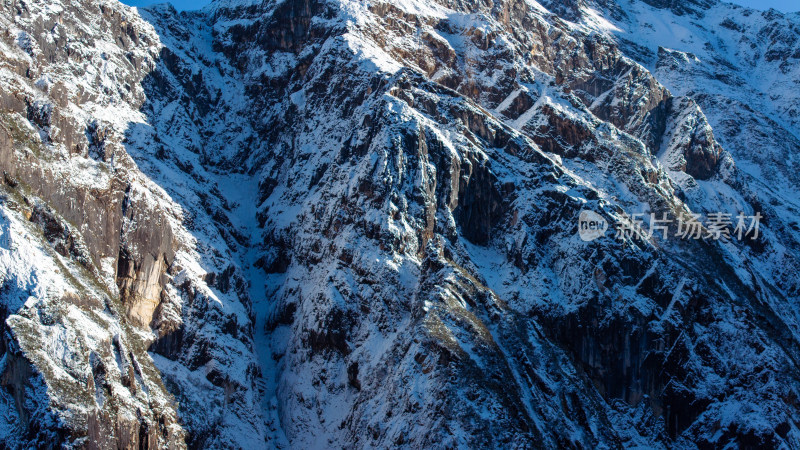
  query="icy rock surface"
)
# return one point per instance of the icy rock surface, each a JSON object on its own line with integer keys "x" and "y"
{"x": 339, "y": 223}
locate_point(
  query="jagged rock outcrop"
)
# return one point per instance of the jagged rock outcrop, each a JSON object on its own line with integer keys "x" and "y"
{"x": 689, "y": 141}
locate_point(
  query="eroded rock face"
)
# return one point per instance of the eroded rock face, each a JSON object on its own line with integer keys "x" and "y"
{"x": 78, "y": 373}
{"x": 146, "y": 252}
{"x": 330, "y": 223}
{"x": 94, "y": 207}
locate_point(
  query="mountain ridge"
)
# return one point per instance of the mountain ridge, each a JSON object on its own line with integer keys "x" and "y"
{"x": 410, "y": 271}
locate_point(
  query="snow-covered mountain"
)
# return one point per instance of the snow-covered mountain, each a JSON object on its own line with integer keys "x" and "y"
{"x": 341, "y": 223}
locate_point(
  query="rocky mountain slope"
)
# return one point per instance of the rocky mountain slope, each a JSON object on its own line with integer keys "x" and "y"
{"x": 316, "y": 224}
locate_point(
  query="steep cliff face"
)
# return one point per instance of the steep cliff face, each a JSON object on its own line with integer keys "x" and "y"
{"x": 74, "y": 368}
{"x": 336, "y": 223}
{"x": 109, "y": 258}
